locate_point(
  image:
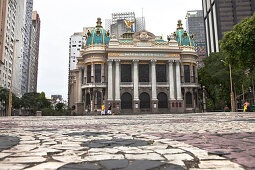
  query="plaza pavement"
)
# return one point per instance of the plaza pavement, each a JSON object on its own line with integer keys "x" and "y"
{"x": 166, "y": 141}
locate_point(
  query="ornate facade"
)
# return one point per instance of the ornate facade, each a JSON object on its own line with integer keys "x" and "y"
{"x": 137, "y": 73}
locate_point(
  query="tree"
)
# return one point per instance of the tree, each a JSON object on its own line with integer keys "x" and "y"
{"x": 59, "y": 106}
{"x": 34, "y": 101}
{"x": 239, "y": 44}
{"x": 215, "y": 77}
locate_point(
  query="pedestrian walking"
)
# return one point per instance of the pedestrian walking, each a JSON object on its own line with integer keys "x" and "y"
{"x": 89, "y": 109}
{"x": 103, "y": 110}
{"x": 109, "y": 112}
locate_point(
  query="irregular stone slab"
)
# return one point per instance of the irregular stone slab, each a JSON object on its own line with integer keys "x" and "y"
{"x": 80, "y": 166}
{"x": 21, "y": 148}
{"x": 7, "y": 142}
{"x": 146, "y": 156}
{"x": 169, "y": 151}
{"x": 218, "y": 164}
{"x": 47, "y": 165}
{"x": 68, "y": 159}
{"x": 2, "y": 155}
{"x": 103, "y": 150}
{"x": 24, "y": 160}
{"x": 114, "y": 164}
{"x": 103, "y": 157}
{"x": 145, "y": 164}
{"x": 29, "y": 154}
{"x": 12, "y": 166}
{"x": 179, "y": 157}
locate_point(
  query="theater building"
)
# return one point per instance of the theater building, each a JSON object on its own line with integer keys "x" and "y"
{"x": 137, "y": 73}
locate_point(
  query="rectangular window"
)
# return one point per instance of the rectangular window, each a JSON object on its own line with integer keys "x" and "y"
{"x": 82, "y": 76}
{"x": 161, "y": 72}
{"x": 186, "y": 73}
{"x": 89, "y": 74}
{"x": 126, "y": 73}
{"x": 98, "y": 73}
{"x": 144, "y": 73}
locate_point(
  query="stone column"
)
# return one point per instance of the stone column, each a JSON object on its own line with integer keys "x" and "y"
{"x": 136, "y": 80}
{"x": 79, "y": 86}
{"x": 117, "y": 80}
{"x": 117, "y": 86}
{"x": 171, "y": 80}
{"x": 154, "y": 100}
{"x": 178, "y": 81}
{"x": 102, "y": 73}
{"x": 110, "y": 96}
{"x": 153, "y": 80}
{"x": 136, "y": 103}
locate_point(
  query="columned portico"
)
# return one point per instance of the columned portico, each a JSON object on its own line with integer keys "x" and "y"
{"x": 136, "y": 103}
{"x": 110, "y": 94}
{"x": 154, "y": 102}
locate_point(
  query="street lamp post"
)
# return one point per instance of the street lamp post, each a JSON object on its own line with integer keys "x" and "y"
{"x": 10, "y": 92}
{"x": 231, "y": 93}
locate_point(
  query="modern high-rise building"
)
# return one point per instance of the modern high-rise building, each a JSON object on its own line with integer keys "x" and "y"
{"x": 18, "y": 52}
{"x": 221, "y": 15}
{"x": 117, "y": 25}
{"x": 34, "y": 52}
{"x": 7, "y": 38}
{"x": 26, "y": 46}
{"x": 195, "y": 26}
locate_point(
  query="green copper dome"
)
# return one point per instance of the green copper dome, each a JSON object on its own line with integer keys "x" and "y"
{"x": 183, "y": 37}
{"x": 98, "y": 36}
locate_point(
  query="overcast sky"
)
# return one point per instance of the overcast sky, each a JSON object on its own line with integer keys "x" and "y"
{"x": 61, "y": 18}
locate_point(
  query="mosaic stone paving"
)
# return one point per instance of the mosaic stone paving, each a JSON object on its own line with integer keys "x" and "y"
{"x": 175, "y": 141}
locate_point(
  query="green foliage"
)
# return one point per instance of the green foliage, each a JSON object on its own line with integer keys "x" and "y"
{"x": 59, "y": 106}
{"x": 4, "y": 97}
{"x": 215, "y": 77}
{"x": 34, "y": 101}
{"x": 52, "y": 112}
{"x": 239, "y": 44}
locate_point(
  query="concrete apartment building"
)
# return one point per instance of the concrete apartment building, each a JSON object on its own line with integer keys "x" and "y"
{"x": 7, "y": 19}
{"x": 34, "y": 52}
{"x": 221, "y": 15}
{"x": 26, "y": 46}
{"x": 195, "y": 26}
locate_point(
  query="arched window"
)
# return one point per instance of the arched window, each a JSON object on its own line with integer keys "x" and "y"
{"x": 162, "y": 100}
{"x": 144, "y": 100}
{"x": 188, "y": 100}
{"x": 126, "y": 101}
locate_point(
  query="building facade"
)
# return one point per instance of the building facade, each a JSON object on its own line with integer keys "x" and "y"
{"x": 34, "y": 52}
{"x": 9, "y": 12}
{"x": 137, "y": 73}
{"x": 195, "y": 26}
{"x": 221, "y": 15}
{"x": 26, "y": 46}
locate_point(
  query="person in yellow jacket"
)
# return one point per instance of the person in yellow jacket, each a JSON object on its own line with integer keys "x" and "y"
{"x": 103, "y": 110}
{"x": 244, "y": 107}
